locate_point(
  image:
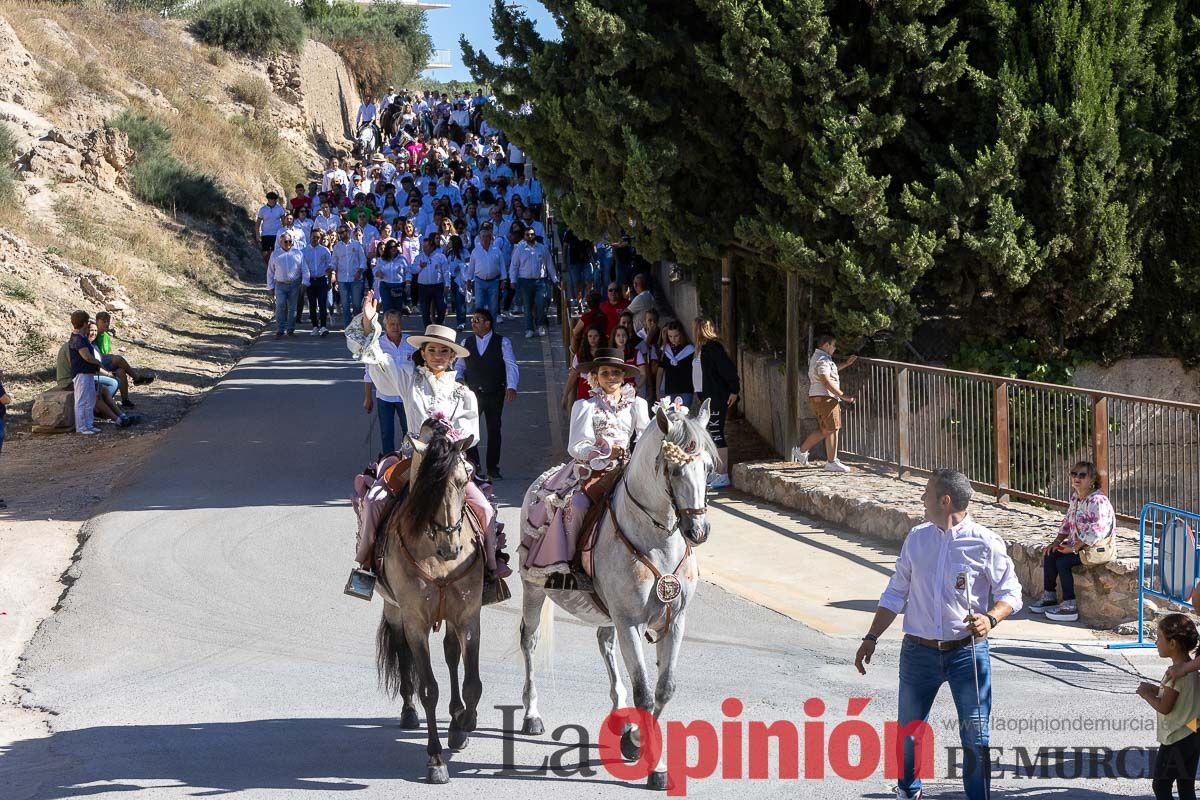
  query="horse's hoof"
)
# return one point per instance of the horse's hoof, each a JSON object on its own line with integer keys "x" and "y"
{"x": 457, "y": 740}
{"x": 409, "y": 720}
{"x": 630, "y": 750}
{"x": 657, "y": 781}
{"x": 438, "y": 773}
{"x": 533, "y": 726}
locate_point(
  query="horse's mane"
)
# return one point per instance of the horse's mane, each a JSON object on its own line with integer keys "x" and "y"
{"x": 428, "y": 487}
{"x": 689, "y": 436}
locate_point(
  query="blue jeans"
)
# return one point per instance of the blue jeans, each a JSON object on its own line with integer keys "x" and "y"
{"x": 388, "y": 411}
{"x": 533, "y": 294}
{"x": 487, "y": 295}
{"x": 923, "y": 670}
{"x": 460, "y": 303}
{"x": 352, "y": 296}
{"x": 2, "y": 425}
{"x": 287, "y": 301}
{"x": 110, "y": 383}
{"x": 388, "y": 300}
{"x": 431, "y": 297}
{"x": 578, "y": 277}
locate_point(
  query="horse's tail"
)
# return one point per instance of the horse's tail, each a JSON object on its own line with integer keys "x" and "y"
{"x": 390, "y": 657}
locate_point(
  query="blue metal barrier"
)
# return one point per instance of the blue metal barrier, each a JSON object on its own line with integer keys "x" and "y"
{"x": 1168, "y": 561}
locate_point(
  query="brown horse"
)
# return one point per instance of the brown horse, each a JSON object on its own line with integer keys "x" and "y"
{"x": 433, "y": 573}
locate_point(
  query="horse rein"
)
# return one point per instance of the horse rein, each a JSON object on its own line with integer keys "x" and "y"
{"x": 679, "y": 512}
{"x": 443, "y": 583}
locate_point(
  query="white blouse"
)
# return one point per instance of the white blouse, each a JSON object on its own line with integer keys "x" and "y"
{"x": 599, "y": 426}
{"x": 422, "y": 393}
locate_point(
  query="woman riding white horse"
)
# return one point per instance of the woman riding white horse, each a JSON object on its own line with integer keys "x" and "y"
{"x": 428, "y": 387}
{"x": 603, "y": 429}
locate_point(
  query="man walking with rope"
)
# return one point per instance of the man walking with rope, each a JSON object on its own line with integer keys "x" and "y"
{"x": 947, "y": 570}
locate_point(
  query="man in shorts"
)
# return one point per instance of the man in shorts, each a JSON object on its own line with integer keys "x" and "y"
{"x": 825, "y": 397}
{"x": 269, "y": 223}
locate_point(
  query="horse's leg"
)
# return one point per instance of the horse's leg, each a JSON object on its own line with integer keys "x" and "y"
{"x": 630, "y": 637}
{"x": 606, "y": 637}
{"x": 396, "y": 664}
{"x": 436, "y": 770}
{"x": 472, "y": 683}
{"x": 668, "y": 656}
{"x": 456, "y": 739}
{"x": 533, "y": 598}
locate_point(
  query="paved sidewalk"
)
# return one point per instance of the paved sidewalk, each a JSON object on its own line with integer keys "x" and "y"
{"x": 825, "y": 577}
{"x": 878, "y": 504}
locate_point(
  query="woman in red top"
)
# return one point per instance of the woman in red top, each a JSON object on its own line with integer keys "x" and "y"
{"x": 593, "y": 338}
{"x": 593, "y": 316}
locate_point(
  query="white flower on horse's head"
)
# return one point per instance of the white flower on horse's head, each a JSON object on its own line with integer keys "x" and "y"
{"x": 669, "y": 405}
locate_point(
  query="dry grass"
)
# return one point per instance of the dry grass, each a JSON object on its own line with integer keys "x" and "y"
{"x": 251, "y": 90}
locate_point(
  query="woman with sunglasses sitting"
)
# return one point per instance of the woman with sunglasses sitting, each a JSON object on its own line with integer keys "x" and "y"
{"x": 1089, "y": 519}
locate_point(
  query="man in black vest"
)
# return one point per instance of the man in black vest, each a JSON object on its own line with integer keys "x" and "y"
{"x": 490, "y": 371}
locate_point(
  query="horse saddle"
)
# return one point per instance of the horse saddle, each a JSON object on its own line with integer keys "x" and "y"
{"x": 599, "y": 490}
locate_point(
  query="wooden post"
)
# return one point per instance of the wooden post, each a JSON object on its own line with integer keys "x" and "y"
{"x": 1100, "y": 439}
{"x": 728, "y": 322}
{"x": 903, "y": 424}
{"x": 1000, "y": 416}
{"x": 791, "y": 366}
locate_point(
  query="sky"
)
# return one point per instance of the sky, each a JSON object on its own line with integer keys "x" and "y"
{"x": 473, "y": 18}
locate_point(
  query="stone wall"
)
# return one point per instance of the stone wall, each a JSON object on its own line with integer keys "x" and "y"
{"x": 875, "y": 503}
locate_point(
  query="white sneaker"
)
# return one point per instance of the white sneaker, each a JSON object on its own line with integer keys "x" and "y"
{"x": 799, "y": 457}
{"x": 324, "y": 330}
{"x": 315, "y": 332}
{"x": 1066, "y": 611}
{"x": 542, "y": 331}
{"x": 901, "y": 795}
{"x": 836, "y": 466}
{"x": 528, "y": 334}
{"x": 89, "y": 432}
{"x": 719, "y": 481}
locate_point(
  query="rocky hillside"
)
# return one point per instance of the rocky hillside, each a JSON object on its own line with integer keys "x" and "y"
{"x": 76, "y": 233}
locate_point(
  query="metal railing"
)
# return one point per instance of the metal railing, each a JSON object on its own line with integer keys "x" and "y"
{"x": 1019, "y": 438}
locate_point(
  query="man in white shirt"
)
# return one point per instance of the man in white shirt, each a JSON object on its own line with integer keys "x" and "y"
{"x": 289, "y": 225}
{"x": 349, "y": 265}
{"x": 325, "y": 221}
{"x": 268, "y": 224}
{"x": 485, "y": 271}
{"x": 490, "y": 370}
{"x": 383, "y": 398}
{"x": 948, "y": 569}
{"x": 532, "y": 273}
{"x": 334, "y": 174}
{"x": 643, "y": 300}
{"x": 517, "y": 159}
{"x": 430, "y": 273}
{"x": 446, "y": 188}
{"x": 286, "y": 274}
{"x": 824, "y": 398}
{"x": 366, "y": 114}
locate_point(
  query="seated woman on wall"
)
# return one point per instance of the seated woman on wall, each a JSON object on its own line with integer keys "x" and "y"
{"x": 604, "y": 428}
{"x": 1089, "y": 519}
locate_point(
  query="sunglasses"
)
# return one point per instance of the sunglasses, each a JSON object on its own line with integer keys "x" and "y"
{"x": 1081, "y": 474}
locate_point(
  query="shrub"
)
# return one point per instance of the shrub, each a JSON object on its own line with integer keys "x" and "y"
{"x": 382, "y": 44}
{"x": 8, "y": 152}
{"x": 158, "y": 177}
{"x": 251, "y": 26}
{"x": 252, "y": 91}
{"x": 216, "y": 56}
{"x": 145, "y": 134}
{"x": 161, "y": 179}
{"x": 33, "y": 344}
{"x": 17, "y": 289}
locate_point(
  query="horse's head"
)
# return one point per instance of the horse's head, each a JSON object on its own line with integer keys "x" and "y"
{"x": 687, "y": 457}
{"x": 437, "y": 497}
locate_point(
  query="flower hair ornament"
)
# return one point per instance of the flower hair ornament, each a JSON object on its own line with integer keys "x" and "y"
{"x": 440, "y": 422}
{"x": 669, "y": 405}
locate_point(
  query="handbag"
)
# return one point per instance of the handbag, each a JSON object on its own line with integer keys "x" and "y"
{"x": 1102, "y": 552}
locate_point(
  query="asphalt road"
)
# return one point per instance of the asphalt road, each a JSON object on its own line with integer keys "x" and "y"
{"x": 206, "y": 648}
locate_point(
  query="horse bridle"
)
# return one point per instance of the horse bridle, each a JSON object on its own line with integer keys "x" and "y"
{"x": 680, "y": 513}
{"x": 436, "y": 527}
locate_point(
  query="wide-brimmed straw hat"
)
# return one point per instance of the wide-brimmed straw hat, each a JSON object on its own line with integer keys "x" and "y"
{"x": 438, "y": 334}
{"x": 607, "y": 357}
{"x": 378, "y": 158}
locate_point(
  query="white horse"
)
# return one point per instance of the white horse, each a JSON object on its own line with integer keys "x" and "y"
{"x": 367, "y": 141}
{"x": 645, "y": 571}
